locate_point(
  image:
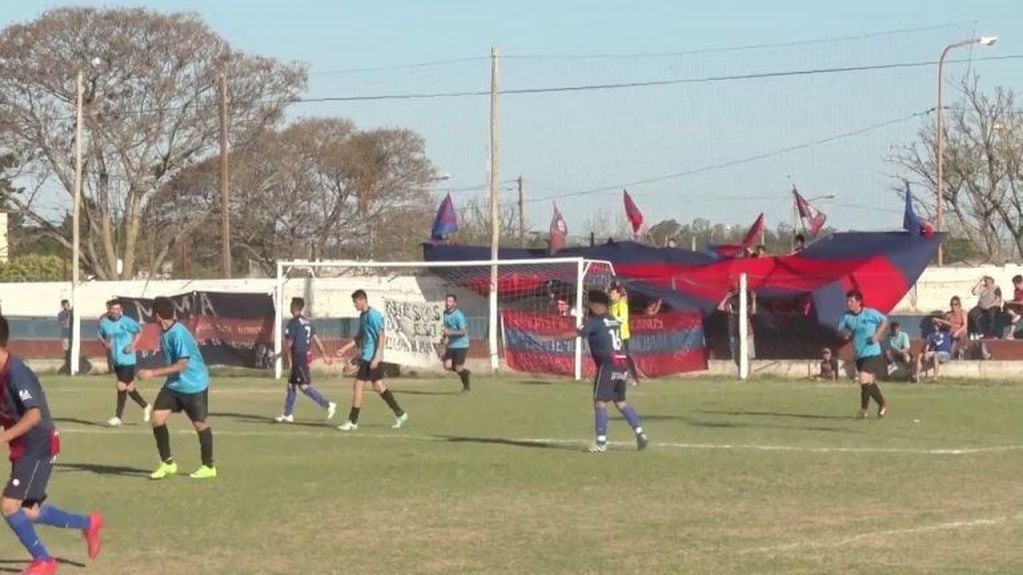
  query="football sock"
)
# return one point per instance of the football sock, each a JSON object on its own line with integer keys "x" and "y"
{"x": 289, "y": 400}
{"x": 864, "y": 397}
{"x": 314, "y": 394}
{"x": 57, "y": 517}
{"x": 875, "y": 392}
{"x": 137, "y": 398}
{"x": 163, "y": 443}
{"x": 122, "y": 397}
{"x": 22, "y": 526}
{"x": 353, "y": 415}
{"x": 464, "y": 376}
{"x": 206, "y": 446}
{"x": 632, "y": 417}
{"x": 600, "y": 417}
{"x": 392, "y": 403}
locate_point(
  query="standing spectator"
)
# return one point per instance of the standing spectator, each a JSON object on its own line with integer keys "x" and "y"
{"x": 865, "y": 326}
{"x": 800, "y": 244}
{"x": 620, "y": 311}
{"x": 730, "y": 305}
{"x": 985, "y": 314}
{"x": 64, "y": 321}
{"x": 897, "y": 348}
{"x": 829, "y": 366}
{"x": 937, "y": 350}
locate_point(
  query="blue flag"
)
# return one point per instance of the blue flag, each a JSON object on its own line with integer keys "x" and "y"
{"x": 910, "y": 221}
{"x": 446, "y": 222}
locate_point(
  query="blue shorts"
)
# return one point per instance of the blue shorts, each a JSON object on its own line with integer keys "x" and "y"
{"x": 30, "y": 475}
{"x": 300, "y": 373}
{"x": 610, "y": 382}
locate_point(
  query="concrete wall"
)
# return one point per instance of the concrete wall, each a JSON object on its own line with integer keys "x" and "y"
{"x": 937, "y": 285}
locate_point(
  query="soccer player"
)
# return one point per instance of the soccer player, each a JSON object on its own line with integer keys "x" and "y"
{"x": 370, "y": 342}
{"x": 604, "y": 334}
{"x": 34, "y": 444}
{"x": 456, "y": 340}
{"x": 299, "y": 335}
{"x": 120, "y": 335}
{"x": 186, "y": 389}
{"x": 865, "y": 327}
{"x": 620, "y": 311}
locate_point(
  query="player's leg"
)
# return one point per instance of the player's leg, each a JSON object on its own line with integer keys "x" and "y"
{"x": 290, "y": 395}
{"x": 196, "y": 408}
{"x": 401, "y": 418}
{"x": 458, "y": 357}
{"x": 122, "y": 398}
{"x": 357, "y": 390}
{"x": 871, "y": 369}
{"x": 619, "y": 378}
{"x": 863, "y": 378}
{"x": 166, "y": 403}
{"x": 37, "y": 511}
{"x": 602, "y": 394}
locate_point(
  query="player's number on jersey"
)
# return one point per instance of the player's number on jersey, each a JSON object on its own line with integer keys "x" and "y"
{"x": 616, "y": 339}
{"x": 308, "y": 332}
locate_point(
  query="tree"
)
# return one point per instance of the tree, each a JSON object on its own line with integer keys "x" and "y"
{"x": 151, "y": 105}
{"x": 983, "y": 170}
{"x": 474, "y": 223}
{"x": 319, "y": 188}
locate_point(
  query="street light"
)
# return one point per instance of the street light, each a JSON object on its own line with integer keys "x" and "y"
{"x": 940, "y": 138}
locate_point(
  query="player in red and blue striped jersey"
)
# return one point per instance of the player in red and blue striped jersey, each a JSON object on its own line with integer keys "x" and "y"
{"x": 299, "y": 337}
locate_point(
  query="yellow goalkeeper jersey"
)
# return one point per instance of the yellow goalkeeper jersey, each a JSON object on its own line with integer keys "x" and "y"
{"x": 620, "y": 311}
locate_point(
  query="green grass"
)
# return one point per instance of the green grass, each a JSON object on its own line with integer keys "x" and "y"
{"x": 740, "y": 478}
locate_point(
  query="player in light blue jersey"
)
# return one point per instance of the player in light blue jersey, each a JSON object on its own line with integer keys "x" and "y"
{"x": 865, "y": 327}
{"x": 370, "y": 357}
{"x": 185, "y": 390}
{"x": 120, "y": 336}
{"x": 456, "y": 340}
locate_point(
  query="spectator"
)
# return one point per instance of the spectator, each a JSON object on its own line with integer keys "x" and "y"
{"x": 759, "y": 252}
{"x": 1007, "y": 318}
{"x": 64, "y": 321}
{"x": 956, "y": 321}
{"x": 653, "y": 307}
{"x": 800, "y": 244}
{"x": 670, "y": 243}
{"x": 829, "y": 366}
{"x": 1017, "y": 292}
{"x": 730, "y": 305}
{"x": 984, "y": 315}
{"x": 564, "y": 309}
{"x": 937, "y": 350}
{"x": 897, "y": 348}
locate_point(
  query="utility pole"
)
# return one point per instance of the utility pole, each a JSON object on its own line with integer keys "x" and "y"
{"x": 76, "y": 327}
{"x": 522, "y": 216}
{"x": 225, "y": 213}
{"x": 495, "y": 219}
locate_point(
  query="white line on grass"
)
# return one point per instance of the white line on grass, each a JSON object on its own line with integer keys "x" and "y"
{"x": 840, "y": 541}
{"x": 285, "y": 430}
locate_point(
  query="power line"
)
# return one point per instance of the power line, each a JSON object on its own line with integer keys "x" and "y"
{"x": 399, "y": 67}
{"x": 736, "y": 162}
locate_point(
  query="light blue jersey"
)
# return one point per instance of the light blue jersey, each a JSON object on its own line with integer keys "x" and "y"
{"x": 120, "y": 334}
{"x": 177, "y": 343}
{"x": 455, "y": 320}
{"x": 863, "y": 327}
{"x": 371, "y": 327}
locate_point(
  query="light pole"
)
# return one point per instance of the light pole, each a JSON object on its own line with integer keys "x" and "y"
{"x": 940, "y": 136}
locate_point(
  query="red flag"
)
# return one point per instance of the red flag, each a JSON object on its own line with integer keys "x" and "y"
{"x": 812, "y": 218}
{"x": 632, "y": 212}
{"x": 753, "y": 235}
{"x": 559, "y": 231}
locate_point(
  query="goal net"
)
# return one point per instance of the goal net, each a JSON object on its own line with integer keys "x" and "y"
{"x": 533, "y": 301}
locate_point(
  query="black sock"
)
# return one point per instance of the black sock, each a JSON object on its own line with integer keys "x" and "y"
{"x": 391, "y": 402}
{"x": 353, "y": 415}
{"x": 206, "y": 446}
{"x": 864, "y": 396}
{"x": 875, "y": 392}
{"x": 464, "y": 376}
{"x": 137, "y": 398}
{"x": 163, "y": 443}
{"x": 122, "y": 396}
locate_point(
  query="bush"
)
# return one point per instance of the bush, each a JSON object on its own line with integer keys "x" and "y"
{"x": 32, "y": 269}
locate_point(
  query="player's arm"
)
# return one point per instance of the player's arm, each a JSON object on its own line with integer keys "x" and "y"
{"x": 27, "y": 391}
{"x": 378, "y": 353}
{"x": 176, "y": 367}
{"x": 723, "y": 304}
{"x": 102, "y": 337}
{"x": 344, "y": 349}
{"x": 323, "y": 351}
{"x": 135, "y": 340}
{"x": 31, "y": 419}
{"x": 843, "y": 330}
{"x": 881, "y": 329}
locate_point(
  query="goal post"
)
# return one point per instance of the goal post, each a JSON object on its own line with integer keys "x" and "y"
{"x": 545, "y": 290}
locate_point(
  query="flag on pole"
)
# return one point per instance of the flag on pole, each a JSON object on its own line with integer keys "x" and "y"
{"x": 813, "y": 219}
{"x": 446, "y": 222}
{"x": 632, "y": 212}
{"x": 910, "y": 221}
{"x": 753, "y": 235}
{"x": 748, "y": 243}
{"x": 559, "y": 231}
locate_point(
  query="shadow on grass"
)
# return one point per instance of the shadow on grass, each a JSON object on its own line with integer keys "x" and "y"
{"x": 425, "y": 392}
{"x": 250, "y": 418}
{"x": 100, "y": 469}
{"x": 778, "y": 414}
{"x": 79, "y": 421}
{"x": 509, "y": 442}
{"x": 538, "y": 382}
{"x": 741, "y": 425}
{"x": 25, "y": 562}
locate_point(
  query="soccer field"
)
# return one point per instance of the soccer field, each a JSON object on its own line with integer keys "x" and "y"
{"x": 761, "y": 477}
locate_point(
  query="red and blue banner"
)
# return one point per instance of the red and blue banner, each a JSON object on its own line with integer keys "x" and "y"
{"x": 664, "y": 344}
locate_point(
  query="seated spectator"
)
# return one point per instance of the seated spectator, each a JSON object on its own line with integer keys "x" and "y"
{"x": 1017, "y": 294}
{"x": 829, "y": 366}
{"x": 937, "y": 350}
{"x": 1007, "y": 318}
{"x": 896, "y": 349}
{"x": 956, "y": 321}
{"x": 984, "y": 316}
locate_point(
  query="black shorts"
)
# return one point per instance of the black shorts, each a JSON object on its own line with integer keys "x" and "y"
{"x": 367, "y": 373}
{"x": 872, "y": 365}
{"x": 29, "y": 476}
{"x": 610, "y": 383}
{"x": 195, "y": 405}
{"x": 124, "y": 373}
{"x": 456, "y": 356}
{"x": 300, "y": 374}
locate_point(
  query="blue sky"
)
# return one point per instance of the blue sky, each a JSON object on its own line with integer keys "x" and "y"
{"x": 565, "y": 143}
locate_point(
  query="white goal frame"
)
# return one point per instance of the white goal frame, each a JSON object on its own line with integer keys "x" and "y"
{"x": 582, "y": 267}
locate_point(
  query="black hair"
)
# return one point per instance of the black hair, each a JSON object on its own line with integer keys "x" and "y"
{"x": 359, "y": 294}
{"x": 800, "y": 238}
{"x": 895, "y": 324}
{"x": 854, "y": 294}
{"x": 1017, "y": 279}
{"x": 598, "y": 297}
{"x": 64, "y": 301}
{"x": 163, "y": 307}
{"x": 5, "y": 331}
{"x": 298, "y": 302}
{"x": 113, "y": 302}
{"x": 452, "y": 296}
